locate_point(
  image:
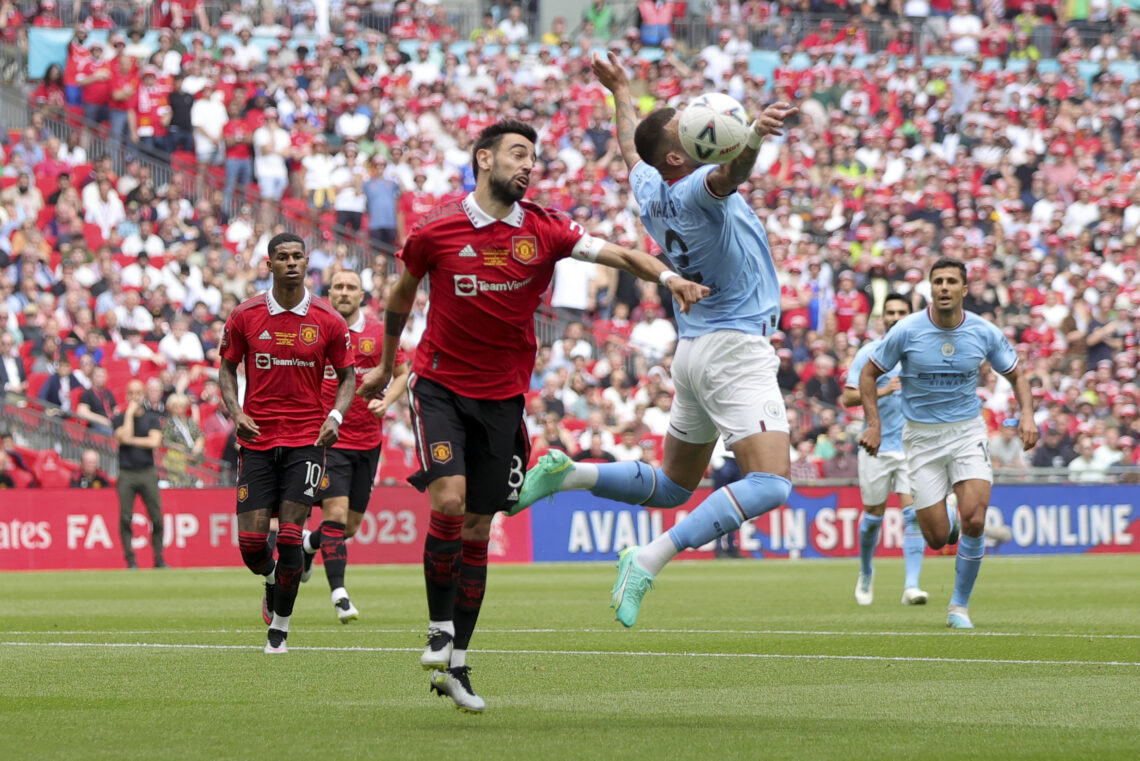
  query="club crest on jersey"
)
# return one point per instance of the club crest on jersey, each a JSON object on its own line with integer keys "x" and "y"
{"x": 308, "y": 334}
{"x": 524, "y": 248}
{"x": 948, "y": 349}
{"x": 243, "y": 493}
{"x": 367, "y": 345}
{"x": 441, "y": 452}
{"x": 324, "y": 482}
{"x": 774, "y": 410}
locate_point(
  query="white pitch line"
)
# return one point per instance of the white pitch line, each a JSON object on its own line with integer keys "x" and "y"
{"x": 699, "y": 632}
{"x": 636, "y": 654}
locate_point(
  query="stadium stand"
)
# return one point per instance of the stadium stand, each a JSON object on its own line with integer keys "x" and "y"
{"x": 136, "y": 188}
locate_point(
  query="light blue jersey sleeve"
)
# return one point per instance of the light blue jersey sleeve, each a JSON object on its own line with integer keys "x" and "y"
{"x": 718, "y": 242}
{"x": 890, "y": 406}
{"x": 939, "y": 367}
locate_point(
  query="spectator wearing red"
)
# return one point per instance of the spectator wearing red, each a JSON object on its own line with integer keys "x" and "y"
{"x": 849, "y": 302}
{"x": 48, "y": 17}
{"x": 150, "y": 113}
{"x": 412, "y": 206}
{"x": 94, "y": 77}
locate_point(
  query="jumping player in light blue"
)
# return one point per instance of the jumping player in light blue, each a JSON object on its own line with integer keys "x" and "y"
{"x": 940, "y": 351}
{"x": 887, "y": 473}
{"x": 724, "y": 370}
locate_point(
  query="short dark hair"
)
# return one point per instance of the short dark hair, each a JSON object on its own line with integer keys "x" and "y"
{"x": 947, "y": 263}
{"x": 491, "y": 136}
{"x": 647, "y": 137}
{"x": 893, "y": 296}
{"x": 280, "y": 238}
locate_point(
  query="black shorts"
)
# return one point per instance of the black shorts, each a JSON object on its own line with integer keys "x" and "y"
{"x": 350, "y": 473}
{"x": 482, "y": 439}
{"x": 266, "y": 478}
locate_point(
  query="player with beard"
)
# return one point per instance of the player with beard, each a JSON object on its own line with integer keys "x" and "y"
{"x": 350, "y": 465}
{"x": 488, "y": 259}
{"x": 284, "y": 338}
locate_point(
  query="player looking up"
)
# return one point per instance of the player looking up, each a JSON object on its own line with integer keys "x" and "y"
{"x": 939, "y": 351}
{"x": 488, "y": 258}
{"x": 350, "y": 465}
{"x": 284, "y": 338}
{"x": 887, "y": 473}
{"x": 724, "y": 370}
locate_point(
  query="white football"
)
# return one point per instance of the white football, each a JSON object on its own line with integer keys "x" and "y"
{"x": 713, "y": 128}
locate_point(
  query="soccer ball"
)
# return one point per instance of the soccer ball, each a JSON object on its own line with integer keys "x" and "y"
{"x": 713, "y": 128}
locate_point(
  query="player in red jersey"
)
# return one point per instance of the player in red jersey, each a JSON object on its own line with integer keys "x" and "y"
{"x": 488, "y": 259}
{"x": 284, "y": 339}
{"x": 350, "y": 466}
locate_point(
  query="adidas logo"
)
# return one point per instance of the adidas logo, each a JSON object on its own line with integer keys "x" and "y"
{"x": 513, "y": 496}
{"x": 467, "y": 251}
{"x": 265, "y": 336}
{"x": 309, "y": 492}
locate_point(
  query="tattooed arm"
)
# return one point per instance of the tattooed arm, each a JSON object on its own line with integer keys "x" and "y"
{"x": 610, "y": 73}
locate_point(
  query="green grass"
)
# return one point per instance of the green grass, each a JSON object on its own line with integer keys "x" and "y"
{"x": 728, "y": 661}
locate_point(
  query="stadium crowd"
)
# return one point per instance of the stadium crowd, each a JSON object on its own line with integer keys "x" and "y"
{"x": 1027, "y": 174}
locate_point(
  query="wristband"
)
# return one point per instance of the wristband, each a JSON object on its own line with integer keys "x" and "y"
{"x": 754, "y": 137}
{"x": 666, "y": 276}
{"x": 335, "y": 415}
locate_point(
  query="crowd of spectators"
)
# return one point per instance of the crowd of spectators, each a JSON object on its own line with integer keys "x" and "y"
{"x": 1027, "y": 174}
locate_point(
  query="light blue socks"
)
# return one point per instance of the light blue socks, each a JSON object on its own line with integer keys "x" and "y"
{"x": 728, "y": 507}
{"x": 914, "y": 547}
{"x": 868, "y": 539}
{"x": 971, "y": 549}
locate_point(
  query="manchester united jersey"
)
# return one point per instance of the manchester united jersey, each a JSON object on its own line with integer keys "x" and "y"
{"x": 285, "y": 352}
{"x": 486, "y": 276}
{"x": 360, "y": 429}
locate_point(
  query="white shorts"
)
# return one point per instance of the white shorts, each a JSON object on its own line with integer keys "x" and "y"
{"x": 725, "y": 383}
{"x": 943, "y": 454}
{"x": 882, "y": 476}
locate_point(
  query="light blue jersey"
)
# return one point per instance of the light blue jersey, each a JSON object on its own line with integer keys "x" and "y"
{"x": 890, "y": 406}
{"x": 940, "y": 367}
{"x": 718, "y": 242}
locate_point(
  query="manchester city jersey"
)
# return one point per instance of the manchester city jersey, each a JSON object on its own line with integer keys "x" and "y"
{"x": 940, "y": 367}
{"x": 718, "y": 242}
{"x": 890, "y": 406}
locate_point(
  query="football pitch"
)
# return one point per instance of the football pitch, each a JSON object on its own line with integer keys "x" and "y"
{"x": 731, "y": 659}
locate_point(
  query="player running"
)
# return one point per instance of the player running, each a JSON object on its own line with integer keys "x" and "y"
{"x": 724, "y": 371}
{"x": 284, "y": 338}
{"x": 940, "y": 351}
{"x": 488, "y": 259}
{"x": 887, "y": 473}
{"x": 350, "y": 465}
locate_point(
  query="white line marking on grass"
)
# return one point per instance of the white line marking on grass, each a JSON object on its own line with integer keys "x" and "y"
{"x": 637, "y": 654}
{"x": 739, "y": 632}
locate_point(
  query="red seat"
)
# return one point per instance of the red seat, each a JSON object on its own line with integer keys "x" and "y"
{"x": 75, "y": 394}
{"x": 51, "y": 470}
{"x": 46, "y": 215}
{"x": 7, "y": 182}
{"x": 36, "y": 382}
{"x": 93, "y": 235}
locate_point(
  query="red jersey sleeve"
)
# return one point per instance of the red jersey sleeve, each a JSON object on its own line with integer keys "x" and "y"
{"x": 233, "y": 339}
{"x": 415, "y": 256}
{"x": 561, "y": 234}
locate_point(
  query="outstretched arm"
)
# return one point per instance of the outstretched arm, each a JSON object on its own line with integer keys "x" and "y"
{"x": 646, "y": 267}
{"x": 396, "y": 312}
{"x": 724, "y": 180}
{"x": 611, "y": 74}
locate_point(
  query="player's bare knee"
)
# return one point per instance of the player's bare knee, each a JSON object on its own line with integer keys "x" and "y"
{"x": 293, "y": 512}
{"x": 449, "y": 503}
{"x": 876, "y": 510}
{"x": 975, "y": 524}
{"x": 353, "y": 525}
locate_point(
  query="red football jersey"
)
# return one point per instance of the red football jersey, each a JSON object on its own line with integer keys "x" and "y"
{"x": 360, "y": 429}
{"x": 285, "y": 353}
{"x": 487, "y": 277}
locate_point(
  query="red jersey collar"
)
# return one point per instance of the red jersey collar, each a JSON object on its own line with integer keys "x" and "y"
{"x": 301, "y": 309}
{"x": 480, "y": 218}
